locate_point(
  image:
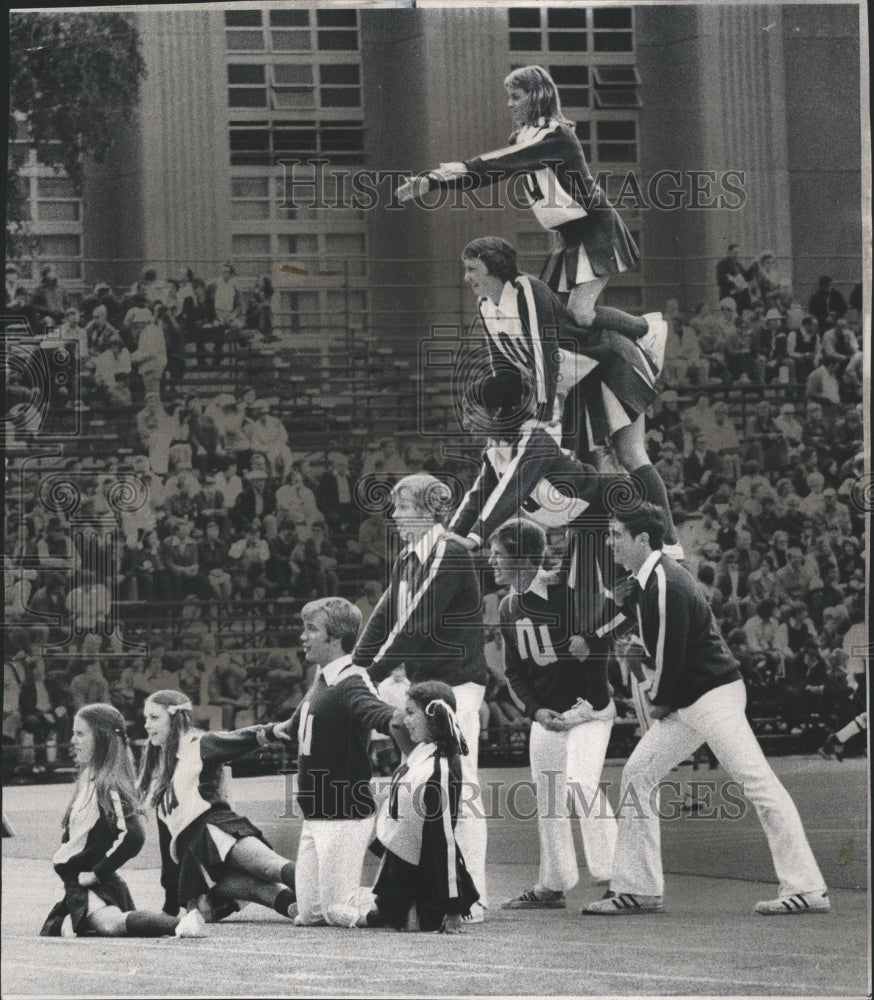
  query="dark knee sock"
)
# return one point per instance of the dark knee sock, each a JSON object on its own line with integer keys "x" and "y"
{"x": 146, "y": 923}
{"x": 285, "y": 899}
{"x": 607, "y": 318}
{"x": 654, "y": 491}
{"x": 286, "y": 876}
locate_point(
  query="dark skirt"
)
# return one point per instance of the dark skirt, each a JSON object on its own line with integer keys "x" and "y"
{"x": 201, "y": 864}
{"x": 629, "y": 377}
{"x": 400, "y": 886}
{"x": 112, "y": 890}
{"x": 606, "y": 240}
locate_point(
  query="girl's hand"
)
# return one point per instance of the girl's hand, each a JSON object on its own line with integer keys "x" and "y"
{"x": 415, "y": 187}
{"x": 87, "y": 878}
{"x": 467, "y": 543}
{"x": 449, "y": 171}
{"x": 578, "y": 647}
{"x": 452, "y": 924}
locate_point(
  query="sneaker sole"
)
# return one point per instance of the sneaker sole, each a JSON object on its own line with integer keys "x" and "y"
{"x": 556, "y": 904}
{"x": 819, "y": 910}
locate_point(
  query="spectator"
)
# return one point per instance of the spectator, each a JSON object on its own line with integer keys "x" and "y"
{"x": 50, "y": 297}
{"x": 796, "y": 577}
{"x": 803, "y": 347}
{"x": 764, "y": 279}
{"x": 283, "y": 570}
{"x": 823, "y": 386}
{"x": 259, "y": 311}
{"x": 268, "y": 435}
{"x": 839, "y": 344}
{"x": 141, "y": 570}
{"x": 99, "y": 333}
{"x": 213, "y": 561}
{"x": 295, "y": 502}
{"x": 739, "y": 349}
{"x": 765, "y": 440}
{"x": 249, "y": 555}
{"x": 227, "y": 690}
{"x": 826, "y": 300}
{"x": 224, "y": 306}
{"x": 762, "y": 581}
{"x": 102, "y": 298}
{"x": 89, "y": 606}
{"x": 44, "y": 716}
{"x": 371, "y": 592}
{"x": 89, "y": 686}
{"x": 112, "y": 373}
{"x": 731, "y": 278}
{"x": 335, "y": 495}
{"x": 71, "y": 331}
{"x": 150, "y": 349}
{"x": 179, "y": 555}
{"x": 789, "y": 426}
{"x": 670, "y": 468}
{"x": 258, "y": 500}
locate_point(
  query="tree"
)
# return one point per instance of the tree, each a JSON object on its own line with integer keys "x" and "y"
{"x": 75, "y": 78}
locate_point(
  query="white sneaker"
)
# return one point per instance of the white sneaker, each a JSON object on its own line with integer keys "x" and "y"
{"x": 192, "y": 925}
{"x": 674, "y": 551}
{"x": 339, "y": 915}
{"x": 477, "y": 914}
{"x": 582, "y": 711}
{"x": 795, "y": 903}
{"x": 652, "y": 343}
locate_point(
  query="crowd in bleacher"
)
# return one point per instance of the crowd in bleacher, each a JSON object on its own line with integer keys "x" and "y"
{"x": 757, "y": 435}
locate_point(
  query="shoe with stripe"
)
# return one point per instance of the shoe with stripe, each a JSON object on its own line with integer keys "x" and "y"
{"x": 537, "y": 899}
{"x": 797, "y": 902}
{"x": 623, "y": 904}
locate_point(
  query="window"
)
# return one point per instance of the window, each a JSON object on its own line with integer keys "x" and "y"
{"x": 616, "y": 87}
{"x": 613, "y": 29}
{"x": 246, "y": 85}
{"x": 617, "y": 141}
{"x": 57, "y": 200}
{"x": 250, "y": 197}
{"x": 565, "y": 29}
{"x": 292, "y": 31}
{"x": 571, "y": 29}
{"x": 573, "y": 85}
{"x": 260, "y": 143}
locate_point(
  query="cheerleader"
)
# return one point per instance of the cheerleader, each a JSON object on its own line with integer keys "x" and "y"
{"x": 592, "y": 242}
{"x": 600, "y": 387}
{"x": 102, "y": 830}
{"x": 423, "y": 883}
{"x": 209, "y": 853}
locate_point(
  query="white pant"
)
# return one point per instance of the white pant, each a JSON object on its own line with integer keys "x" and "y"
{"x": 470, "y": 832}
{"x": 575, "y": 755}
{"x": 330, "y": 857}
{"x": 716, "y": 718}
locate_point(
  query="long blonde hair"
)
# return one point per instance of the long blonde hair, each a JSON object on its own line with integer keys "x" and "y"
{"x": 112, "y": 764}
{"x": 159, "y": 763}
{"x": 543, "y": 99}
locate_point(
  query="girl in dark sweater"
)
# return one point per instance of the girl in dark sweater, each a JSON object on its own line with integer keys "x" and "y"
{"x": 102, "y": 830}
{"x": 423, "y": 883}
{"x": 210, "y": 856}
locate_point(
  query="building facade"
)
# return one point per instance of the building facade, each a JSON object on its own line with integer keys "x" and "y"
{"x": 275, "y": 137}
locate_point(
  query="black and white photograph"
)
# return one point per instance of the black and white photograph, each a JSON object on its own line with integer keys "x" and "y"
{"x": 437, "y": 505}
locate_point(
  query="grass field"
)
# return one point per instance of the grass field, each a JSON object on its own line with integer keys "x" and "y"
{"x": 707, "y": 943}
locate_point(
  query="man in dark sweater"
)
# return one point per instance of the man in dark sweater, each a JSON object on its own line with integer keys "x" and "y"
{"x": 333, "y": 725}
{"x": 697, "y": 695}
{"x": 430, "y": 619}
{"x": 561, "y": 679}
